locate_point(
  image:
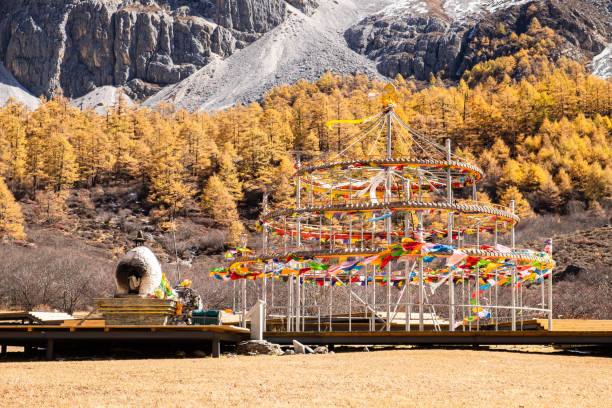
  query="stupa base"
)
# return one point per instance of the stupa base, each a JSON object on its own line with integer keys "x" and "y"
{"x": 135, "y": 311}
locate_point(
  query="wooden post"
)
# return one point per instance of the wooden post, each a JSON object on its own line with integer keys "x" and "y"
{"x": 49, "y": 354}
{"x": 216, "y": 347}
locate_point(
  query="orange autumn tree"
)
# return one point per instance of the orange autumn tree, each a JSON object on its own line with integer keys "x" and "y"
{"x": 11, "y": 218}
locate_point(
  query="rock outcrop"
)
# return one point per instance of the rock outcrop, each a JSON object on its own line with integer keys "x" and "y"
{"x": 78, "y": 45}
{"x": 258, "y": 347}
{"x": 306, "y": 6}
{"x": 417, "y": 41}
{"x": 250, "y": 16}
{"x": 411, "y": 46}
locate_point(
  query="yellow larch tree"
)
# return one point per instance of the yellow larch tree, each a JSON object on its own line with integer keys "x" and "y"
{"x": 228, "y": 173}
{"x": 283, "y": 191}
{"x": 218, "y": 203}
{"x": 120, "y": 128}
{"x": 13, "y": 144}
{"x": 11, "y": 218}
{"x": 521, "y": 206}
{"x": 51, "y": 158}
{"x": 200, "y": 147}
{"x": 166, "y": 171}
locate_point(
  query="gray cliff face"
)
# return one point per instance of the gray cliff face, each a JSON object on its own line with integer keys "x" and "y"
{"x": 307, "y": 7}
{"x": 411, "y": 46}
{"x": 80, "y": 45}
{"x": 250, "y": 15}
{"x": 434, "y": 43}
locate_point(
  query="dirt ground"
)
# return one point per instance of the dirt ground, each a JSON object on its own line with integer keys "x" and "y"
{"x": 398, "y": 378}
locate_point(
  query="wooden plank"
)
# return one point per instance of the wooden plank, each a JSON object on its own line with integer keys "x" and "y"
{"x": 444, "y": 338}
{"x": 577, "y": 324}
{"x": 86, "y": 323}
{"x": 458, "y": 334}
{"x": 165, "y": 328}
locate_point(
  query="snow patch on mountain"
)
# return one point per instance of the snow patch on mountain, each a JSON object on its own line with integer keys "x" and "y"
{"x": 462, "y": 10}
{"x": 602, "y": 63}
{"x": 493, "y": 6}
{"x": 406, "y": 6}
{"x": 456, "y": 10}
{"x": 10, "y": 88}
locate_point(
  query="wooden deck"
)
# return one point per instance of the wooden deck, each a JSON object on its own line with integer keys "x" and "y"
{"x": 94, "y": 331}
{"x": 47, "y": 336}
{"x": 575, "y": 325}
{"x": 24, "y": 317}
{"x": 535, "y": 332}
{"x": 340, "y": 323}
{"x": 475, "y": 338}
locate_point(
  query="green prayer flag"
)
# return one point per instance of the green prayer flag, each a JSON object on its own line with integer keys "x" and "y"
{"x": 318, "y": 267}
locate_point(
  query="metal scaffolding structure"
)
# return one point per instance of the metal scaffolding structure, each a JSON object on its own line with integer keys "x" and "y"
{"x": 378, "y": 229}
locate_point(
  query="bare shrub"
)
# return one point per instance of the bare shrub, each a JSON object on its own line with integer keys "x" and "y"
{"x": 546, "y": 226}
{"x": 80, "y": 203}
{"x": 191, "y": 238}
{"x": 61, "y": 273}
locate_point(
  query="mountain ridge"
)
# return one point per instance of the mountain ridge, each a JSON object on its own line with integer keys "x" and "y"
{"x": 191, "y": 52}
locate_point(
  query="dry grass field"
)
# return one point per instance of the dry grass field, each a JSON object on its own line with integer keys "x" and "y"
{"x": 400, "y": 378}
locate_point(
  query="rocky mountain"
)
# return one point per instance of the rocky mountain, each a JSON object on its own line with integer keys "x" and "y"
{"x": 414, "y": 38}
{"x": 300, "y": 47}
{"x": 213, "y": 53}
{"x": 78, "y": 45}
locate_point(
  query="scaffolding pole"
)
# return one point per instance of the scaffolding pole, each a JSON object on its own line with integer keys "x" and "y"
{"x": 550, "y": 293}
{"x": 449, "y": 196}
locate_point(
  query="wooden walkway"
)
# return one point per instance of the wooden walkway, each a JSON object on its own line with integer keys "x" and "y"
{"x": 535, "y": 332}
{"x": 342, "y": 324}
{"x": 29, "y": 336}
{"x": 573, "y": 325}
{"x": 475, "y": 338}
{"x": 92, "y": 332}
